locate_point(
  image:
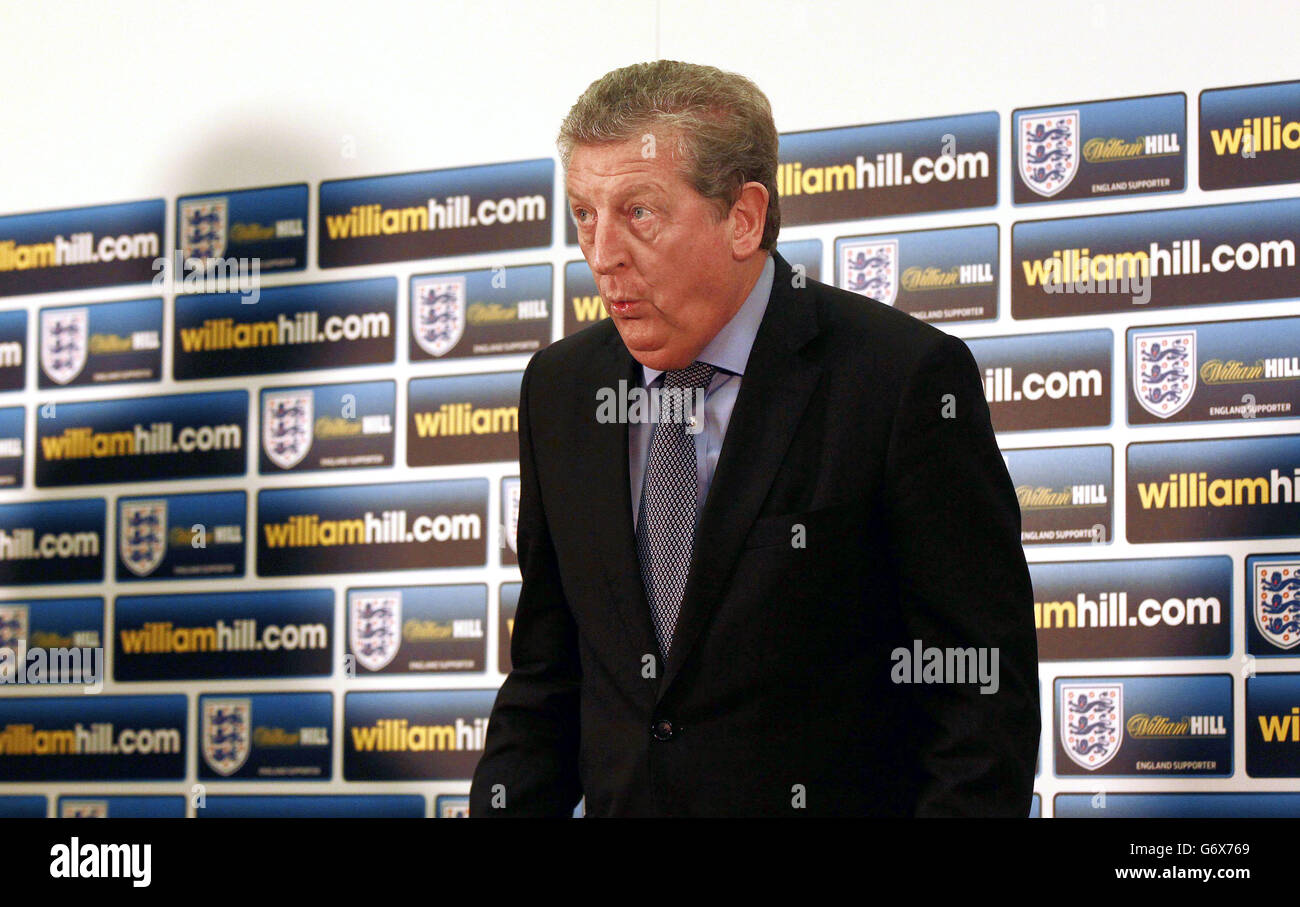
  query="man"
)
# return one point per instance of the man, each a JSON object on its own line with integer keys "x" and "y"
{"x": 741, "y": 656}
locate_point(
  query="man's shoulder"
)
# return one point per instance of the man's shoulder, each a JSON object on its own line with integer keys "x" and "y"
{"x": 850, "y": 322}
{"x": 579, "y": 348}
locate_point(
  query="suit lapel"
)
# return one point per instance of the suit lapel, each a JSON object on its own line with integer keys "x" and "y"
{"x": 773, "y": 395}
{"x": 610, "y": 496}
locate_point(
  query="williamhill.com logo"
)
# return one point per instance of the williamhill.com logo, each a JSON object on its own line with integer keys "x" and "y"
{"x": 1258, "y": 135}
{"x": 1273, "y": 726}
{"x": 1195, "y": 489}
{"x": 466, "y": 419}
{"x": 1139, "y": 608}
{"x": 414, "y": 734}
{"x": 1214, "y": 489}
{"x": 1250, "y": 135}
{"x": 390, "y": 527}
{"x": 362, "y": 528}
{"x": 1039, "y": 497}
{"x": 398, "y": 735}
{"x": 463, "y": 419}
{"x": 435, "y": 213}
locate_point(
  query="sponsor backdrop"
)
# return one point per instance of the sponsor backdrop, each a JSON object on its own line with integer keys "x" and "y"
{"x": 258, "y": 424}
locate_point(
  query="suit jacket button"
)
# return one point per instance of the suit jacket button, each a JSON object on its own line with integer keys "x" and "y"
{"x": 662, "y": 730}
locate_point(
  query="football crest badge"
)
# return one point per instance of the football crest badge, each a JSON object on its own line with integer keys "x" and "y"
{"x": 375, "y": 628}
{"x": 65, "y": 335}
{"x": 142, "y": 535}
{"x": 1092, "y": 722}
{"x": 226, "y": 734}
{"x": 202, "y": 228}
{"x": 438, "y": 316}
{"x": 1164, "y": 370}
{"x": 871, "y": 268}
{"x": 1275, "y": 602}
{"x": 287, "y": 421}
{"x": 1049, "y": 151}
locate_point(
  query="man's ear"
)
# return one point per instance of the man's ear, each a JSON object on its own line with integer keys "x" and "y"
{"x": 748, "y": 218}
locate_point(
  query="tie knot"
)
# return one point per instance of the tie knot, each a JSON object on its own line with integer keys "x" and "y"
{"x": 696, "y": 375}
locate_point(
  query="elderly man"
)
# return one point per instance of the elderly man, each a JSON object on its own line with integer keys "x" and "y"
{"x": 725, "y": 607}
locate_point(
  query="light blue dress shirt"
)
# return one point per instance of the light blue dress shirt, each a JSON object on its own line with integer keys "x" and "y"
{"x": 729, "y": 351}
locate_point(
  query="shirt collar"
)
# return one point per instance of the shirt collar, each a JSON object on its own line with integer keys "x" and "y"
{"x": 729, "y": 348}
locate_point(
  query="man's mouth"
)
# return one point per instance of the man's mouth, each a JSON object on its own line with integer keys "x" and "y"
{"x": 623, "y": 306}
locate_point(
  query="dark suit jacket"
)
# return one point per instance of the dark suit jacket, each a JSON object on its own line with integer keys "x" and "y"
{"x": 777, "y": 689}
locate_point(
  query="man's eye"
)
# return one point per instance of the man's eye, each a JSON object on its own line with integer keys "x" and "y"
{"x": 639, "y": 208}
{"x": 580, "y": 216}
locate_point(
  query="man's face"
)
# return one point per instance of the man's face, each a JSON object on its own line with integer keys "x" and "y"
{"x": 663, "y": 261}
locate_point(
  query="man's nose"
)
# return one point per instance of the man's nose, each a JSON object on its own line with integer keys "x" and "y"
{"x": 608, "y": 249}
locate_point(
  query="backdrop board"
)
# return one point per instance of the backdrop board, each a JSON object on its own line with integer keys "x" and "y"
{"x": 260, "y": 361}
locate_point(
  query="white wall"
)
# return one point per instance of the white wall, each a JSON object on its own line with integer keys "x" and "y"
{"x": 105, "y": 102}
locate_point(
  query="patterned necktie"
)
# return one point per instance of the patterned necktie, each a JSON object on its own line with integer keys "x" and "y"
{"x": 665, "y": 531}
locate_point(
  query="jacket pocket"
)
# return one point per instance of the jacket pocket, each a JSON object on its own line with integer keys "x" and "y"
{"x": 821, "y": 525}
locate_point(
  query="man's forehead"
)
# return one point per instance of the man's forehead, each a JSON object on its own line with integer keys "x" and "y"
{"x": 616, "y": 168}
{"x": 615, "y": 185}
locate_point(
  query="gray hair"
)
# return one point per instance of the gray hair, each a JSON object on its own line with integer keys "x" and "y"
{"x": 722, "y": 123}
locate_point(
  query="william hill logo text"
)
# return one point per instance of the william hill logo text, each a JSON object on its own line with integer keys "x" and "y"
{"x": 1040, "y": 497}
{"x": 240, "y": 635}
{"x": 885, "y": 170}
{"x": 77, "y": 249}
{"x": 917, "y": 280}
{"x": 398, "y": 735}
{"x": 588, "y": 309}
{"x": 899, "y": 167}
{"x": 1250, "y": 489}
{"x": 435, "y": 213}
{"x": 466, "y": 419}
{"x": 83, "y": 442}
{"x": 1273, "y": 751}
{"x": 308, "y": 530}
{"x": 1234, "y": 371}
{"x": 216, "y": 334}
{"x": 452, "y": 213}
{"x": 1161, "y": 727}
{"x": 1280, "y": 728}
{"x": 24, "y": 544}
{"x": 1258, "y": 135}
{"x": 1104, "y": 150}
{"x": 414, "y": 734}
{"x": 364, "y": 528}
{"x": 463, "y": 419}
{"x": 1111, "y": 609}
{"x": 99, "y": 738}
{"x": 1194, "y": 489}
